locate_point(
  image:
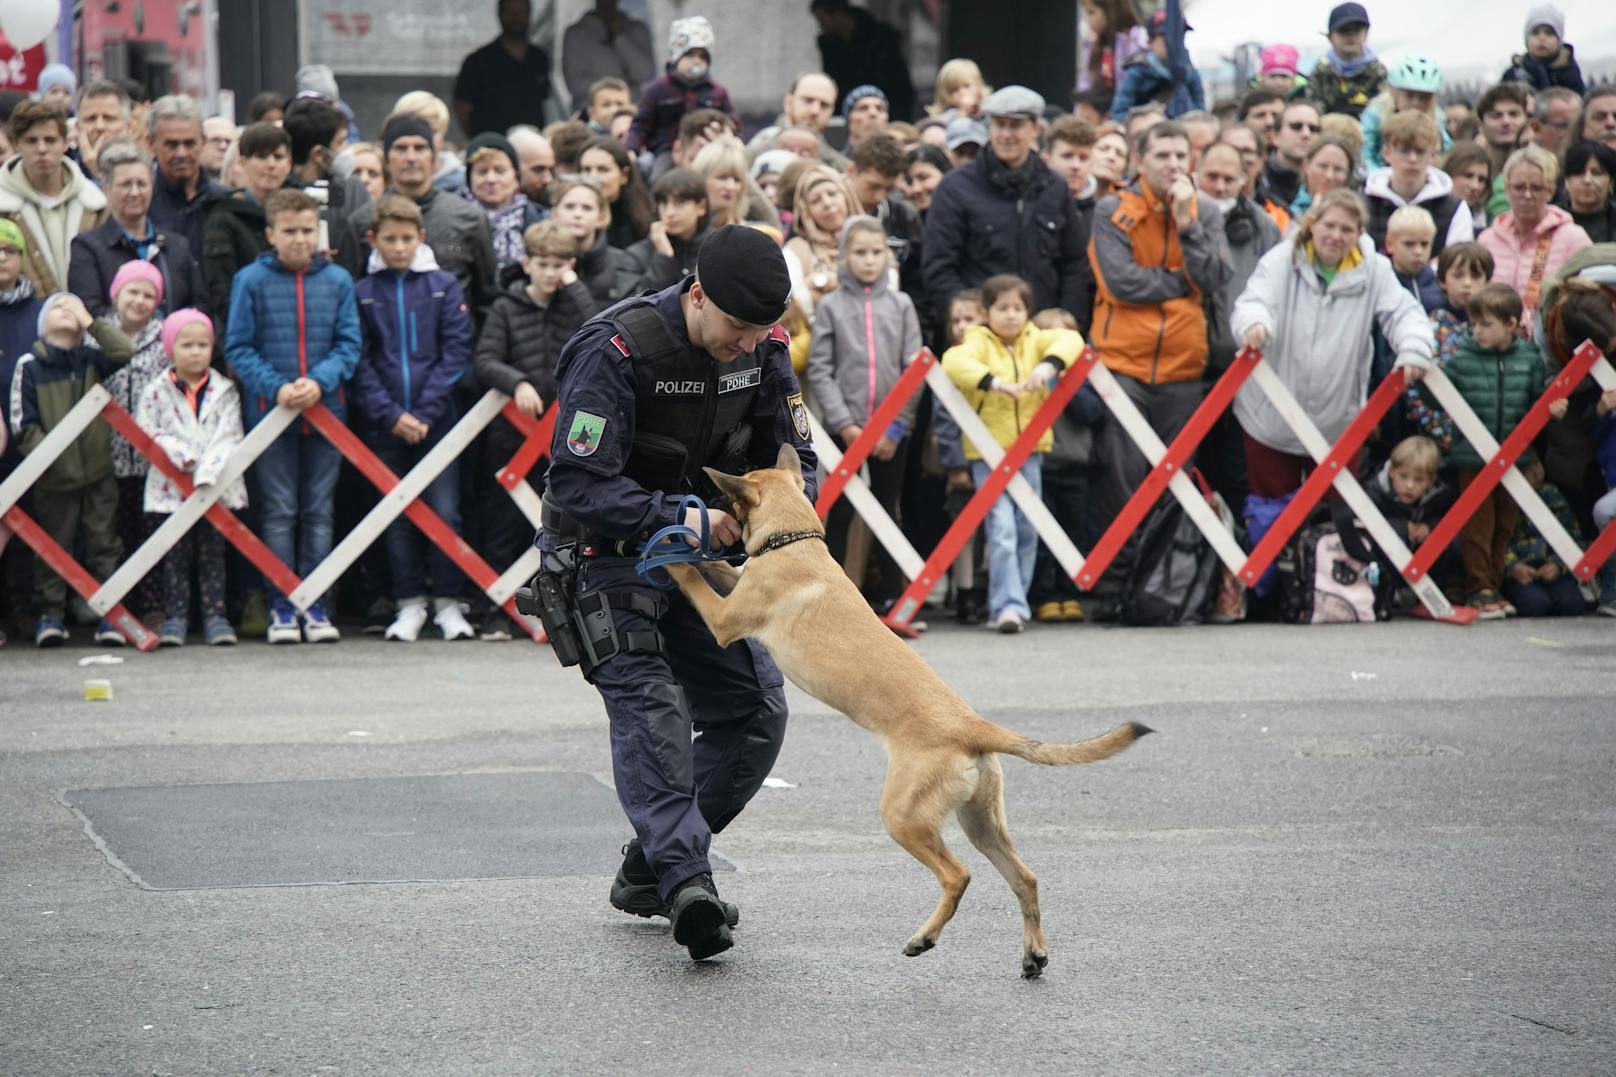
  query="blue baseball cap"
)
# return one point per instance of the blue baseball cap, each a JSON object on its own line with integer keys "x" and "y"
{"x": 1348, "y": 15}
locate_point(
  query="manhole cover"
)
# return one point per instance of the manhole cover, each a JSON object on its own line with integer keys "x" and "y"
{"x": 450, "y": 826}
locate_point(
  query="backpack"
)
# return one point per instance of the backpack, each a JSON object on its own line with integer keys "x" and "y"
{"x": 1173, "y": 577}
{"x": 1328, "y": 574}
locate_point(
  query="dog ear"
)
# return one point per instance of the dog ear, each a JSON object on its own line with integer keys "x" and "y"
{"x": 789, "y": 462}
{"x": 736, "y": 488}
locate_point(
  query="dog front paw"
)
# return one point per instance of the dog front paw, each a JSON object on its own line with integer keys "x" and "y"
{"x": 918, "y": 945}
{"x": 1032, "y": 964}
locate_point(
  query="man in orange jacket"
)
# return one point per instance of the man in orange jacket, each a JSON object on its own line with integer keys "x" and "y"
{"x": 1158, "y": 250}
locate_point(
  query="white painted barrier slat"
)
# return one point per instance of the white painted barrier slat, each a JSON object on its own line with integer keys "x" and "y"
{"x": 858, "y": 493}
{"x": 396, "y": 500}
{"x": 1475, "y": 431}
{"x": 188, "y": 515}
{"x": 1032, "y": 506}
{"x": 1352, "y": 493}
{"x": 1144, "y": 436}
{"x": 36, "y": 463}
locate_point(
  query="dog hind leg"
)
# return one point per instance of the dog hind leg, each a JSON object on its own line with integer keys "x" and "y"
{"x": 983, "y": 820}
{"x": 914, "y": 819}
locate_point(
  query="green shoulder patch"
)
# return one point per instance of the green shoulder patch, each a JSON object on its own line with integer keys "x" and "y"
{"x": 583, "y": 437}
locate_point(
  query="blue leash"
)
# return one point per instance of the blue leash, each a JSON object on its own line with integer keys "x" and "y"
{"x": 671, "y": 546}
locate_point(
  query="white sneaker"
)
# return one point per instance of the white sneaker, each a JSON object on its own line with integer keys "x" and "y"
{"x": 451, "y": 619}
{"x": 409, "y": 620}
{"x": 1008, "y": 623}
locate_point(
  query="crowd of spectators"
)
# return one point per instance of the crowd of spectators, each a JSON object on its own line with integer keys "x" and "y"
{"x": 1347, "y": 220}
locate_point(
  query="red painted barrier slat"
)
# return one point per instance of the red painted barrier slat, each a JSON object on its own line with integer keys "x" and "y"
{"x": 223, "y": 520}
{"x": 908, "y": 604}
{"x": 1509, "y": 451}
{"x": 431, "y": 524}
{"x": 1322, "y": 477}
{"x": 62, "y": 563}
{"x": 1178, "y": 454}
{"x": 907, "y": 385}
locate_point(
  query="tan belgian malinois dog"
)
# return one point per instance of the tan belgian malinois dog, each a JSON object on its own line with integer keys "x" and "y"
{"x": 796, "y": 601}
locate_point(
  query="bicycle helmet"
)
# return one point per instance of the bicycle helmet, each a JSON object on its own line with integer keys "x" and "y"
{"x": 1416, "y": 73}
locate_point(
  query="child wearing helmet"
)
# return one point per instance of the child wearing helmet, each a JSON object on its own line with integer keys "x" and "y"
{"x": 1412, "y": 84}
{"x": 1548, "y": 60}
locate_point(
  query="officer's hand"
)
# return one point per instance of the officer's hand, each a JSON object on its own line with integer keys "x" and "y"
{"x": 722, "y": 528}
{"x": 528, "y": 400}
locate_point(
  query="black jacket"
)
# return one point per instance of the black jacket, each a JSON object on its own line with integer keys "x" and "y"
{"x": 987, "y": 219}
{"x": 171, "y": 212}
{"x": 610, "y": 273}
{"x": 657, "y": 270}
{"x": 521, "y": 341}
{"x": 1280, "y": 185}
{"x": 234, "y": 238}
{"x": 98, "y": 254}
{"x": 906, "y": 238}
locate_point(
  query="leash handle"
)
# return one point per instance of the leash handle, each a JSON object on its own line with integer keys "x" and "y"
{"x": 671, "y": 546}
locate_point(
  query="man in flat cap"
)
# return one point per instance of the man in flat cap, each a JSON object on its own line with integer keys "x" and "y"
{"x": 1007, "y": 212}
{"x": 651, "y": 391}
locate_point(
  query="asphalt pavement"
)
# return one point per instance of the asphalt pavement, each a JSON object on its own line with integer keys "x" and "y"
{"x": 1382, "y": 849}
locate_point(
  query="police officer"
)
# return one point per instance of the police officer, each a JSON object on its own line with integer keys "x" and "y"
{"x": 651, "y": 391}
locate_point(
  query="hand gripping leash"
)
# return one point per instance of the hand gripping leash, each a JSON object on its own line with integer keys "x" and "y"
{"x": 672, "y": 546}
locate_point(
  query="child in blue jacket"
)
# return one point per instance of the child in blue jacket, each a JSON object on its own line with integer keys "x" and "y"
{"x": 1164, "y": 74}
{"x": 416, "y": 335}
{"x": 293, "y": 341}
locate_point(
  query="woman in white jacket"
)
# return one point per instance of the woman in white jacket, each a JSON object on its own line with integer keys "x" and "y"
{"x": 1311, "y": 307}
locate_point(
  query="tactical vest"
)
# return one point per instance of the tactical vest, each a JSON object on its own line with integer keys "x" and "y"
{"x": 690, "y": 410}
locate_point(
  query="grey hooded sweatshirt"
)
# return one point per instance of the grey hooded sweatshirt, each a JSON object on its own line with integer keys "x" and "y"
{"x": 864, "y": 335}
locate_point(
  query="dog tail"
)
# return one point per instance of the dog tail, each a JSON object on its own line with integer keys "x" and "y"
{"x": 1060, "y": 755}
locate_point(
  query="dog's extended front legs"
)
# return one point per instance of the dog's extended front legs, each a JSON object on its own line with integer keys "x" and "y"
{"x": 719, "y": 613}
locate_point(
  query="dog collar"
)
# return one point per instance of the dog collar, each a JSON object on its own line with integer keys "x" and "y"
{"x": 786, "y": 538}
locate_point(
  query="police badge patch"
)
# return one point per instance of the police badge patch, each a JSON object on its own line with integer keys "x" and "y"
{"x": 799, "y": 415}
{"x": 583, "y": 437}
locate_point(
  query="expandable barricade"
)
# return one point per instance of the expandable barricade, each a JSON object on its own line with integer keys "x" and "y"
{"x": 1333, "y": 470}
{"x": 400, "y": 495}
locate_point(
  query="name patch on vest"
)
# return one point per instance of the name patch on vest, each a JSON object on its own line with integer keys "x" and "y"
{"x": 680, "y": 388}
{"x": 740, "y": 379}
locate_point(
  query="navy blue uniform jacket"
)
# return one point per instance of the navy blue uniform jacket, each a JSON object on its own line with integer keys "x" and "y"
{"x": 596, "y": 378}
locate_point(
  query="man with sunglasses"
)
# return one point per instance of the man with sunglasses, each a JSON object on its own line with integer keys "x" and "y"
{"x": 1281, "y": 179}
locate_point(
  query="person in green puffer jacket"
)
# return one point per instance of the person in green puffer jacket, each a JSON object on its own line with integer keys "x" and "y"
{"x": 1500, "y": 375}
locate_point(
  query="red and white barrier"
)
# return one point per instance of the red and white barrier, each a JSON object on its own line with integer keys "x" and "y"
{"x": 201, "y": 502}
{"x": 1167, "y": 475}
{"x": 1334, "y": 470}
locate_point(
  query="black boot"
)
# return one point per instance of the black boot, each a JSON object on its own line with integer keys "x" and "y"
{"x": 971, "y": 607}
{"x": 698, "y": 918}
{"x": 634, "y": 891}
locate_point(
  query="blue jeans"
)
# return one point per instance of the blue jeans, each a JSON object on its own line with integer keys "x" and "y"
{"x": 404, "y": 541}
{"x": 1012, "y": 543}
{"x": 293, "y": 482}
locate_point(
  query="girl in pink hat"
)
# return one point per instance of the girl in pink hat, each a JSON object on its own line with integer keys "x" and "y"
{"x": 193, "y": 412}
